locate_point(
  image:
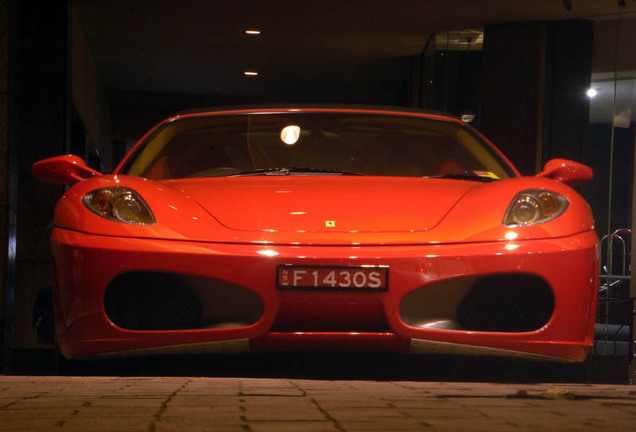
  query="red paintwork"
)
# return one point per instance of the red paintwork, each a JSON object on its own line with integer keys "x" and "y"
{"x": 66, "y": 169}
{"x": 181, "y": 217}
{"x": 564, "y": 170}
{"x": 238, "y": 229}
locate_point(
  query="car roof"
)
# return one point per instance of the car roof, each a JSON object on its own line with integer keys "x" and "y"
{"x": 291, "y": 106}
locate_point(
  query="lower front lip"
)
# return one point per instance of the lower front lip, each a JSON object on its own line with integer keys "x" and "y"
{"x": 84, "y": 272}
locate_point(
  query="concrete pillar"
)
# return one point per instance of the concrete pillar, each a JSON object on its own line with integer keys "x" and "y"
{"x": 567, "y": 107}
{"x": 514, "y": 78}
{"x": 533, "y": 93}
{"x": 7, "y": 210}
{"x": 40, "y": 124}
{"x": 632, "y": 291}
{"x": 90, "y": 100}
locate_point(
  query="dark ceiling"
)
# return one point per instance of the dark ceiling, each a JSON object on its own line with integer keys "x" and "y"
{"x": 200, "y": 47}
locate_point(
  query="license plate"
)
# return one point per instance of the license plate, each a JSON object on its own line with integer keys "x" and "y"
{"x": 338, "y": 278}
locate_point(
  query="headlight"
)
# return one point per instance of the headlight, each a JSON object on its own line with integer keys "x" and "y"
{"x": 119, "y": 204}
{"x": 535, "y": 206}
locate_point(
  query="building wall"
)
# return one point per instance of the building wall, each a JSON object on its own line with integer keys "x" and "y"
{"x": 89, "y": 96}
{"x": 5, "y": 206}
{"x": 39, "y": 122}
{"x": 51, "y": 74}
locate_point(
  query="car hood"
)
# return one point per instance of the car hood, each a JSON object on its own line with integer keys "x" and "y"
{"x": 325, "y": 203}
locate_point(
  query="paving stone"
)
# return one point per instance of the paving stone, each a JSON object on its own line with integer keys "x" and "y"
{"x": 366, "y": 415}
{"x": 495, "y": 402}
{"x": 459, "y": 423}
{"x": 381, "y": 426}
{"x": 190, "y": 422}
{"x": 131, "y": 404}
{"x": 629, "y": 407}
{"x": 352, "y": 404}
{"x": 283, "y": 415}
{"x": 444, "y": 413}
{"x": 13, "y": 415}
{"x": 106, "y": 424}
{"x": 29, "y": 425}
{"x": 176, "y": 427}
{"x": 72, "y": 424}
{"x": 422, "y": 403}
{"x": 293, "y": 426}
{"x": 191, "y": 410}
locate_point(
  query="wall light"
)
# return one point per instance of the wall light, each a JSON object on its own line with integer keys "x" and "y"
{"x": 591, "y": 93}
{"x": 250, "y": 73}
{"x": 252, "y": 32}
{"x": 467, "y": 118}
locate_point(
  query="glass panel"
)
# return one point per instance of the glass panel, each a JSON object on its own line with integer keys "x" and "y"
{"x": 336, "y": 143}
{"x": 451, "y": 67}
{"x": 612, "y": 133}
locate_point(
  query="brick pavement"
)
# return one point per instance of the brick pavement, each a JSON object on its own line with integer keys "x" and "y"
{"x": 160, "y": 404}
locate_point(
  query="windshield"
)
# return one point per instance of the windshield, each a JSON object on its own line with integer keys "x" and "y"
{"x": 311, "y": 143}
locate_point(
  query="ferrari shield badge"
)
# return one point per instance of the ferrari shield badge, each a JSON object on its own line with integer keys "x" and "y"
{"x": 330, "y": 224}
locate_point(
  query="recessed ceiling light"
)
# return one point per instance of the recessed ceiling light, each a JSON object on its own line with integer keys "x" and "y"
{"x": 290, "y": 134}
{"x": 252, "y": 32}
{"x": 250, "y": 73}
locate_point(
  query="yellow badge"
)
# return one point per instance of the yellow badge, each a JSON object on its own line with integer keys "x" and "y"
{"x": 330, "y": 224}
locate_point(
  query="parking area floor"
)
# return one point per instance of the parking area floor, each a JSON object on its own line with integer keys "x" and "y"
{"x": 193, "y": 404}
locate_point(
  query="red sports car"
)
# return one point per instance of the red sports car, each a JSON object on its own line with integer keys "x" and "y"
{"x": 313, "y": 229}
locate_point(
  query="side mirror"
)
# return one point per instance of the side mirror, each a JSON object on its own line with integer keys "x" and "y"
{"x": 66, "y": 170}
{"x": 567, "y": 171}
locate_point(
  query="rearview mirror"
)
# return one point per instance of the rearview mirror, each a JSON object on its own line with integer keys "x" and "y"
{"x": 567, "y": 171}
{"x": 66, "y": 170}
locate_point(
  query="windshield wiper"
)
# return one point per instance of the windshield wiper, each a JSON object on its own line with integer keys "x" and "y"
{"x": 467, "y": 176}
{"x": 291, "y": 171}
{"x": 262, "y": 171}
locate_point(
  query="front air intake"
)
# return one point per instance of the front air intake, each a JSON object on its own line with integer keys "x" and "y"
{"x": 506, "y": 303}
{"x": 170, "y": 301}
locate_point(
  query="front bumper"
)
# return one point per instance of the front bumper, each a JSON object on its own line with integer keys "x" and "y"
{"x": 85, "y": 265}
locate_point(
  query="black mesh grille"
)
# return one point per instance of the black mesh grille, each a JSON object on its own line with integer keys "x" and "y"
{"x": 506, "y": 303}
{"x": 171, "y": 301}
{"x": 152, "y": 301}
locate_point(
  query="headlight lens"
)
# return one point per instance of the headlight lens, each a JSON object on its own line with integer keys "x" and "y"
{"x": 119, "y": 204}
{"x": 535, "y": 206}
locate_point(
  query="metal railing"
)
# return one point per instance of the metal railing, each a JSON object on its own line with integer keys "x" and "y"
{"x": 614, "y": 320}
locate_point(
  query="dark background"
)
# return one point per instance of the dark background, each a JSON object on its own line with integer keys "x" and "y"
{"x": 89, "y": 77}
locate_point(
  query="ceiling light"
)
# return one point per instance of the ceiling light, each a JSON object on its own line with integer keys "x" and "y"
{"x": 252, "y": 32}
{"x": 250, "y": 73}
{"x": 290, "y": 134}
